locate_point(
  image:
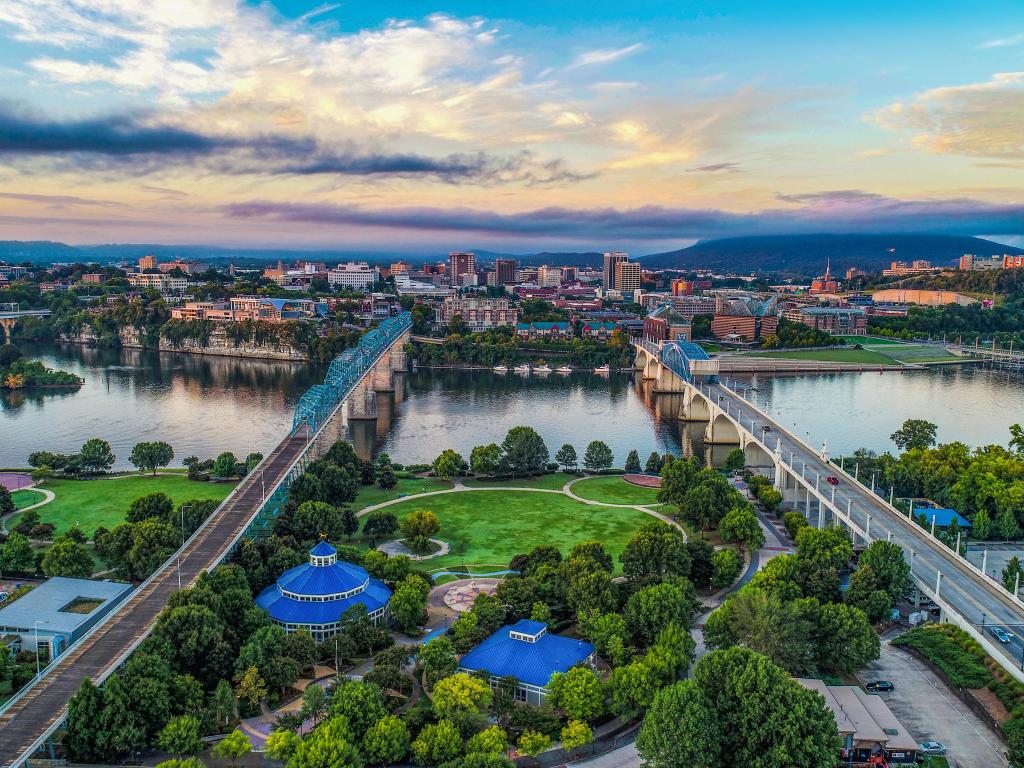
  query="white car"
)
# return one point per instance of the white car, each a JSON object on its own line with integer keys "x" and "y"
{"x": 934, "y": 748}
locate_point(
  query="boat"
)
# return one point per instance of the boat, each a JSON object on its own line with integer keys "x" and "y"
{"x": 500, "y": 369}
{"x": 563, "y": 369}
{"x": 542, "y": 368}
{"x": 522, "y": 369}
{"x": 603, "y": 369}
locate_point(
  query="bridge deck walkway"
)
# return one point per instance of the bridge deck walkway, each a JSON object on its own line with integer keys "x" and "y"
{"x": 45, "y": 704}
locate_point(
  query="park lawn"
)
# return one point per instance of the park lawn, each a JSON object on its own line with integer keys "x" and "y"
{"x": 867, "y": 356}
{"x": 614, "y": 490}
{"x": 491, "y": 528}
{"x": 552, "y": 482}
{"x": 26, "y": 498}
{"x": 871, "y": 341}
{"x": 920, "y": 353}
{"x": 371, "y": 494}
{"x": 92, "y": 503}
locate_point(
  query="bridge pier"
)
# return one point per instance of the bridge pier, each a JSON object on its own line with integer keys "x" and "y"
{"x": 8, "y": 324}
{"x": 383, "y": 378}
{"x": 362, "y": 402}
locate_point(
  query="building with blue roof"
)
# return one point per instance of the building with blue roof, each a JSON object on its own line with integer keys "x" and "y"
{"x": 529, "y": 653}
{"x": 944, "y": 517}
{"x": 314, "y": 595}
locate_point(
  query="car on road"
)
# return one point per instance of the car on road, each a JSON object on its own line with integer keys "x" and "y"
{"x": 879, "y": 686}
{"x": 832, "y": 480}
{"x": 999, "y": 634}
{"x": 932, "y": 748}
{"x": 766, "y": 428}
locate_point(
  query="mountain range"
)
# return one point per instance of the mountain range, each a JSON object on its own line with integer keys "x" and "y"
{"x": 791, "y": 254}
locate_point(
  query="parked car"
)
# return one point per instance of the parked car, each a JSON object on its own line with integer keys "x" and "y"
{"x": 832, "y": 480}
{"x": 934, "y": 748}
{"x": 999, "y": 634}
{"x": 879, "y": 686}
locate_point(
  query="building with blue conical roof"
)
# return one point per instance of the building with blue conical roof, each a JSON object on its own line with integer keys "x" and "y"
{"x": 314, "y": 595}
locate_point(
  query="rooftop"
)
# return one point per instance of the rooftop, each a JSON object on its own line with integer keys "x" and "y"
{"x": 528, "y": 652}
{"x": 863, "y": 716}
{"x": 49, "y": 603}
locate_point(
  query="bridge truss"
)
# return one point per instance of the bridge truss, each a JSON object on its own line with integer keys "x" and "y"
{"x": 684, "y": 359}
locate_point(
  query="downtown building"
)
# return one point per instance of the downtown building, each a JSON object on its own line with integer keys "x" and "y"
{"x": 478, "y": 312}
{"x": 354, "y": 275}
{"x": 611, "y": 264}
{"x": 460, "y": 264}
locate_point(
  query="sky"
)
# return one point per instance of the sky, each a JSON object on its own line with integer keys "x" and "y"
{"x": 527, "y": 126}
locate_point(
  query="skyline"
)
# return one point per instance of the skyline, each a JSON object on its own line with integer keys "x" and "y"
{"x": 298, "y": 125}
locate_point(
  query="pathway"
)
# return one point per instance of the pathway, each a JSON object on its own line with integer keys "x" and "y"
{"x": 48, "y": 496}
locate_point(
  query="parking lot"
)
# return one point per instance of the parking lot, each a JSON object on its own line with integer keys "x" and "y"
{"x": 932, "y": 712}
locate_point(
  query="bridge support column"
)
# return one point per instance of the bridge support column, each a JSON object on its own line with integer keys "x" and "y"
{"x": 397, "y": 357}
{"x": 8, "y": 325}
{"x": 383, "y": 377}
{"x": 362, "y": 403}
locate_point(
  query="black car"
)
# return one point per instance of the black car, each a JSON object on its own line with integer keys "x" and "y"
{"x": 879, "y": 686}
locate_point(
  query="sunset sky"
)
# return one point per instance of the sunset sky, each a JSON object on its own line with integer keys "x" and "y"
{"x": 514, "y": 126}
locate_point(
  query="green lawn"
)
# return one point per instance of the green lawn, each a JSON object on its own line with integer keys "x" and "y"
{"x": 552, "y": 482}
{"x": 867, "y": 356}
{"x": 614, "y": 490}
{"x": 919, "y": 353}
{"x": 369, "y": 495}
{"x": 92, "y": 503}
{"x": 490, "y": 528}
{"x": 870, "y": 341}
{"x": 24, "y": 499}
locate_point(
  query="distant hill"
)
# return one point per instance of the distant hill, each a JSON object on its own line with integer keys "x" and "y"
{"x": 568, "y": 259}
{"x": 807, "y": 254}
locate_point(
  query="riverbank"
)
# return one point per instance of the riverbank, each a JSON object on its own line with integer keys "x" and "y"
{"x": 218, "y": 345}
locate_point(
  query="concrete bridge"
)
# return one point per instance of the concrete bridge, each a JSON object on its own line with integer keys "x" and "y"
{"x": 30, "y": 717}
{"x": 966, "y": 596}
{"x": 11, "y": 314}
{"x": 1006, "y": 357}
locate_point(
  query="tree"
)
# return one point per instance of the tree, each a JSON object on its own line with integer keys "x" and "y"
{"x": 252, "y": 460}
{"x": 461, "y": 698}
{"x": 1017, "y": 438}
{"x": 1007, "y": 526}
{"x": 727, "y": 567}
{"x": 633, "y": 462}
{"x": 67, "y": 558}
{"x": 438, "y": 659}
{"x": 706, "y": 503}
{"x": 915, "y": 433}
{"x": 282, "y": 743}
{"x": 313, "y": 520}
{"x": 361, "y": 704}
{"x": 1011, "y": 573}
{"x": 533, "y": 742}
{"x": 7, "y": 506}
{"x": 158, "y": 505}
{"x": 890, "y": 568}
{"x": 386, "y": 741}
{"x": 225, "y": 465}
{"x": 491, "y": 740}
{"x": 251, "y": 687}
{"x": 380, "y": 525}
{"x": 825, "y": 549}
{"x": 314, "y": 703}
{"x": 653, "y": 464}
{"x": 233, "y": 746}
{"x": 151, "y": 456}
{"x": 406, "y": 604}
{"x": 653, "y": 608}
{"x": 578, "y": 692}
{"x": 736, "y": 459}
{"x": 417, "y": 527}
{"x": 566, "y": 457}
{"x": 484, "y": 459}
{"x": 677, "y": 478}
{"x": 222, "y": 704}
{"x": 386, "y": 478}
{"x": 84, "y": 738}
{"x": 701, "y": 568}
{"x": 843, "y": 638}
{"x": 181, "y": 736}
{"x": 331, "y": 745}
{"x": 656, "y": 550}
{"x": 719, "y": 717}
{"x": 865, "y": 593}
{"x": 96, "y": 455}
{"x": 348, "y": 521}
{"x": 437, "y": 744}
{"x": 769, "y": 498}
{"x": 523, "y": 452}
{"x": 740, "y": 526}
{"x": 17, "y": 556}
{"x": 576, "y": 734}
{"x": 982, "y": 528}
{"x": 597, "y": 457}
{"x": 448, "y": 464}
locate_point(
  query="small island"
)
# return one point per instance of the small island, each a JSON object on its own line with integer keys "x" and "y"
{"x": 17, "y": 372}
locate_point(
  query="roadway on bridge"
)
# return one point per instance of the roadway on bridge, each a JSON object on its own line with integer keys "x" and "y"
{"x": 45, "y": 704}
{"x": 961, "y": 588}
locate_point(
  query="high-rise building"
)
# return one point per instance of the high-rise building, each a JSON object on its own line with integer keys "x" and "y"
{"x": 627, "y": 276}
{"x": 147, "y": 262}
{"x": 682, "y": 288}
{"x": 460, "y": 264}
{"x": 549, "y": 277}
{"x": 611, "y": 262}
{"x": 570, "y": 274}
{"x": 504, "y": 271}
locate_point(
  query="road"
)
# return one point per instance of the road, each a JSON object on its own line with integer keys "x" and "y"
{"x": 970, "y": 742}
{"x": 960, "y": 588}
{"x": 45, "y": 704}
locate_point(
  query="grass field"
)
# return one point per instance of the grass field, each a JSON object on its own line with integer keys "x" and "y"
{"x": 919, "y": 353}
{"x": 552, "y": 482}
{"x": 370, "y": 495}
{"x": 867, "y": 356}
{"x": 490, "y": 528}
{"x": 614, "y": 490}
{"x": 870, "y": 341}
{"x": 92, "y": 503}
{"x": 24, "y": 499}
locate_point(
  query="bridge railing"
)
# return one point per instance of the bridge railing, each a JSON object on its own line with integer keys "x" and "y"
{"x": 345, "y": 371}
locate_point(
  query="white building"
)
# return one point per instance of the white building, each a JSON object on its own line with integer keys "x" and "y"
{"x": 356, "y": 275}
{"x": 166, "y": 284}
{"x": 406, "y": 286}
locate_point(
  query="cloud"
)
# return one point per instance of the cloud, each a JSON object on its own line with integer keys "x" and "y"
{"x": 1003, "y": 42}
{"x": 604, "y": 55}
{"x": 715, "y": 168}
{"x": 835, "y": 211}
{"x": 979, "y": 119}
{"x": 59, "y": 201}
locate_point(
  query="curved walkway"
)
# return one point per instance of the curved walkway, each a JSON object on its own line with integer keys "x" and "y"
{"x": 565, "y": 490}
{"x": 48, "y": 496}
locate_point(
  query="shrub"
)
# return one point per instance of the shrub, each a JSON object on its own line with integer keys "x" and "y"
{"x": 953, "y": 651}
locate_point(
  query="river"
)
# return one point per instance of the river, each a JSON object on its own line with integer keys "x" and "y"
{"x": 204, "y": 405}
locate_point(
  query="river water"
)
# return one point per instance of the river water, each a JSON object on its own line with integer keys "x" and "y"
{"x": 204, "y": 405}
